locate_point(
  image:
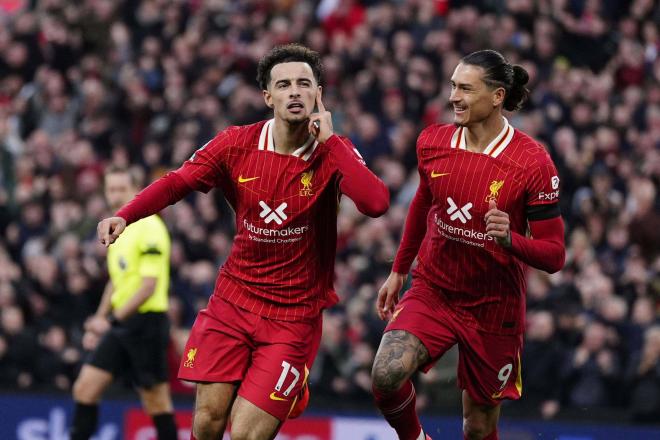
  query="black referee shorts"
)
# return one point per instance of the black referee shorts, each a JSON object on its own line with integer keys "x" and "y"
{"x": 136, "y": 349}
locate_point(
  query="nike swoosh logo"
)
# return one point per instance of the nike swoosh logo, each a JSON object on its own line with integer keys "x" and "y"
{"x": 434, "y": 174}
{"x": 242, "y": 179}
{"x": 274, "y": 397}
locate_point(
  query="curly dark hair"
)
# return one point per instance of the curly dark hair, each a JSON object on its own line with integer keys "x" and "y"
{"x": 285, "y": 54}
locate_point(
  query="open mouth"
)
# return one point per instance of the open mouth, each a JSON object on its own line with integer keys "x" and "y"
{"x": 295, "y": 107}
{"x": 459, "y": 109}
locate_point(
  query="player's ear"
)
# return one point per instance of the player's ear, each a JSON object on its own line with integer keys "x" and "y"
{"x": 268, "y": 98}
{"x": 498, "y": 96}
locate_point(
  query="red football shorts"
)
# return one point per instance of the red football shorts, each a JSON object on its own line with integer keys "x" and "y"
{"x": 269, "y": 358}
{"x": 488, "y": 364}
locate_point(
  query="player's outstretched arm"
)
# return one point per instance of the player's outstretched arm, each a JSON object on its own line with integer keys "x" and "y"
{"x": 163, "y": 192}
{"x": 413, "y": 234}
{"x": 367, "y": 191}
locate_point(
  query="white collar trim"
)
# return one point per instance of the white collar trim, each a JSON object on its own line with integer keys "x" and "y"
{"x": 267, "y": 143}
{"x": 496, "y": 146}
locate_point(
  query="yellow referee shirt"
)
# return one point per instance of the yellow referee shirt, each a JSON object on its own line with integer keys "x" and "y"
{"x": 142, "y": 250}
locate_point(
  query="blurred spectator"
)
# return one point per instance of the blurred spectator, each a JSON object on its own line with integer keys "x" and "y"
{"x": 540, "y": 360}
{"x": 591, "y": 370}
{"x": 643, "y": 378}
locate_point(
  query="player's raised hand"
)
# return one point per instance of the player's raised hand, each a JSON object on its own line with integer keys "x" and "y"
{"x": 320, "y": 124}
{"x": 109, "y": 229}
{"x": 388, "y": 295}
{"x": 498, "y": 225}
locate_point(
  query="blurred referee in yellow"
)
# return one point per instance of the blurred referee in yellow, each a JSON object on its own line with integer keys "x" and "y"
{"x": 129, "y": 333}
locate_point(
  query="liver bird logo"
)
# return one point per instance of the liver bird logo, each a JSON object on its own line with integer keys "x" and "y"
{"x": 306, "y": 182}
{"x": 495, "y": 187}
{"x": 190, "y": 358}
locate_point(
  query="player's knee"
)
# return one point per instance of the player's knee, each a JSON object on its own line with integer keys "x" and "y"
{"x": 83, "y": 392}
{"x": 208, "y": 424}
{"x": 78, "y": 390}
{"x": 474, "y": 429}
{"x": 243, "y": 432}
{"x": 384, "y": 380}
{"x": 156, "y": 400}
{"x": 251, "y": 431}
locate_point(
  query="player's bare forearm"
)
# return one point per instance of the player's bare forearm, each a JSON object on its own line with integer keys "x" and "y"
{"x": 141, "y": 295}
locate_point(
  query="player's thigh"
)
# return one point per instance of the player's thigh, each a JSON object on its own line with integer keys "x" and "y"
{"x": 416, "y": 336}
{"x": 489, "y": 366}
{"x": 249, "y": 422}
{"x": 156, "y": 399}
{"x": 280, "y": 365}
{"x": 219, "y": 347}
{"x": 90, "y": 384}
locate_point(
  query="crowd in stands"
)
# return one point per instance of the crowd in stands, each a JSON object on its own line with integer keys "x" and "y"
{"x": 85, "y": 84}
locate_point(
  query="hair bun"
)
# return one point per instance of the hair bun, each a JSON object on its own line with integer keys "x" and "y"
{"x": 520, "y": 75}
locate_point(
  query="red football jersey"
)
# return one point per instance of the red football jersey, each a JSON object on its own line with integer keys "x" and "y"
{"x": 281, "y": 264}
{"x": 481, "y": 281}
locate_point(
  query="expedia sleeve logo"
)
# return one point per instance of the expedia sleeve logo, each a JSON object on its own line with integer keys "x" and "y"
{"x": 554, "y": 181}
{"x": 551, "y": 196}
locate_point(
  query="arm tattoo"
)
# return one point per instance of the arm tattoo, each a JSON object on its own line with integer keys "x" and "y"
{"x": 399, "y": 356}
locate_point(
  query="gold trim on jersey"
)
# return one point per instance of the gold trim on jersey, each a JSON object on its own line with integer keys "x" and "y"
{"x": 494, "y": 148}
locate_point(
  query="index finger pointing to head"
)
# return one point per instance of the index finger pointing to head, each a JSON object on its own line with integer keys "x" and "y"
{"x": 319, "y": 103}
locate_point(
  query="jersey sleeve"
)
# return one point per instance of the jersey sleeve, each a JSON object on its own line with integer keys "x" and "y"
{"x": 415, "y": 227}
{"x": 153, "y": 247}
{"x": 207, "y": 165}
{"x": 367, "y": 191}
{"x": 542, "y": 189}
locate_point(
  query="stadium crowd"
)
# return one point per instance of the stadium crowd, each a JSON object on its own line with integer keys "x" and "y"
{"x": 145, "y": 83}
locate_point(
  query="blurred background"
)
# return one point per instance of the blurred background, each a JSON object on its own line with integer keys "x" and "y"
{"x": 144, "y": 83}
